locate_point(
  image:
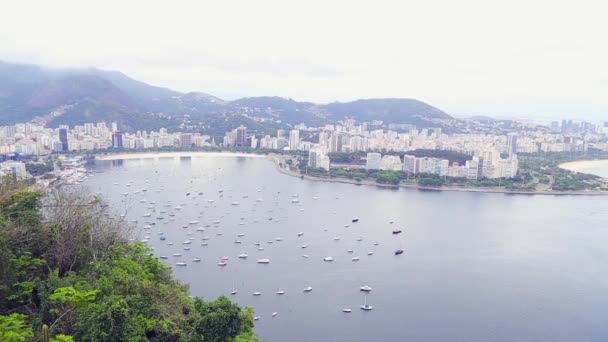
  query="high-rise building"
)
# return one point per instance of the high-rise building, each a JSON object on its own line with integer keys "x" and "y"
{"x": 63, "y": 137}
{"x": 512, "y": 142}
{"x": 114, "y": 126}
{"x": 294, "y": 139}
{"x": 373, "y": 161}
{"x": 185, "y": 140}
{"x": 88, "y": 128}
{"x": 241, "y": 136}
{"x": 117, "y": 139}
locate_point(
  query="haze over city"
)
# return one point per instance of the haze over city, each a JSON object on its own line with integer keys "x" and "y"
{"x": 540, "y": 60}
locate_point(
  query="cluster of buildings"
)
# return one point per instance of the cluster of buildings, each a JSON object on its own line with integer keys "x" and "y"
{"x": 30, "y": 139}
{"x": 488, "y": 164}
{"x": 347, "y": 136}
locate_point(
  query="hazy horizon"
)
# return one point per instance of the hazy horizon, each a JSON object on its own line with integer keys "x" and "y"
{"x": 541, "y": 60}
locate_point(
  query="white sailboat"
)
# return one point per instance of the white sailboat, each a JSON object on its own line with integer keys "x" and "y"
{"x": 366, "y": 307}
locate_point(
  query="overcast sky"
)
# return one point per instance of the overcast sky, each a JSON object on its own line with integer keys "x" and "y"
{"x": 544, "y": 59}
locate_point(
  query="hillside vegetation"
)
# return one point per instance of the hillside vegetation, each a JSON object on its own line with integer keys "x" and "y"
{"x": 67, "y": 271}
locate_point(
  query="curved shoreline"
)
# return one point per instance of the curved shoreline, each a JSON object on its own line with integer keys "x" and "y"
{"x": 144, "y": 155}
{"x": 577, "y": 166}
{"x": 418, "y": 187}
{"x": 274, "y": 158}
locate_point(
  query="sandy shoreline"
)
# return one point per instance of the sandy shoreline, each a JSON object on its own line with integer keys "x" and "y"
{"x": 142, "y": 155}
{"x": 579, "y": 165}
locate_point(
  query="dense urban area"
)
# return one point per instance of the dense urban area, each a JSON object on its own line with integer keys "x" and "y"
{"x": 481, "y": 153}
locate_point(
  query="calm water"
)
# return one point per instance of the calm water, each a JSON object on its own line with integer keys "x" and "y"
{"x": 476, "y": 267}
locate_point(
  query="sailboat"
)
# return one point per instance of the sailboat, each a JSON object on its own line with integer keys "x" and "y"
{"x": 366, "y": 307}
{"x": 234, "y": 291}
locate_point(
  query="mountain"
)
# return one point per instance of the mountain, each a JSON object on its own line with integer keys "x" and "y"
{"x": 388, "y": 110}
{"x": 91, "y": 95}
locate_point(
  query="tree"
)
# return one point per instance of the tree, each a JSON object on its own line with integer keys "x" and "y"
{"x": 14, "y": 329}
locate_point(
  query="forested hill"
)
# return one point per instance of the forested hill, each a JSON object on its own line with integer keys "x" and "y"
{"x": 67, "y": 270}
{"x": 91, "y": 95}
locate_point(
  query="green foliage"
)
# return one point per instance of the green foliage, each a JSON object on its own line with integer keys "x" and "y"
{"x": 110, "y": 290}
{"x": 219, "y": 320}
{"x": 38, "y": 169}
{"x": 14, "y": 329}
{"x": 62, "y": 338}
{"x": 389, "y": 177}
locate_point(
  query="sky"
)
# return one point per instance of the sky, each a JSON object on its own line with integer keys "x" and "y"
{"x": 544, "y": 59}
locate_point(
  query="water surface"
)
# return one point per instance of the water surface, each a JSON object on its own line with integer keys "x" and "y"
{"x": 476, "y": 267}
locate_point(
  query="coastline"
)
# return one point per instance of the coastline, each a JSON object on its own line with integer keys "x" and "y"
{"x": 572, "y": 166}
{"x": 143, "y": 155}
{"x": 445, "y": 188}
{"x": 577, "y": 166}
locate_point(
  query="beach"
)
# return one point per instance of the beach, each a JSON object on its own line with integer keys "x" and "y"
{"x": 579, "y": 165}
{"x": 125, "y": 156}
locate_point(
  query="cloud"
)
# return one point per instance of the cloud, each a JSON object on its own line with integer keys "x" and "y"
{"x": 469, "y": 56}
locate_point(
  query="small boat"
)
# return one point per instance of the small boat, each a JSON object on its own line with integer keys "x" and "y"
{"x": 280, "y": 292}
{"x": 186, "y": 248}
{"x": 233, "y": 292}
{"x": 355, "y": 219}
{"x": 255, "y": 318}
{"x": 347, "y": 310}
{"x": 355, "y": 259}
{"x": 264, "y": 261}
{"x": 163, "y": 238}
{"x": 164, "y": 257}
{"x": 193, "y": 222}
{"x": 224, "y": 258}
{"x": 350, "y": 251}
{"x": 397, "y": 231}
{"x": 243, "y": 256}
{"x": 177, "y": 254}
{"x": 328, "y": 259}
{"x": 235, "y": 203}
{"x": 180, "y": 264}
{"x": 300, "y": 233}
{"x": 257, "y": 293}
{"x": 222, "y": 264}
{"x": 399, "y": 251}
{"x": 237, "y": 241}
{"x": 336, "y": 238}
{"x": 304, "y": 246}
{"x": 370, "y": 253}
{"x": 346, "y": 225}
{"x": 365, "y": 288}
{"x": 366, "y": 307}
{"x": 305, "y": 256}
{"x": 308, "y": 289}
{"x": 274, "y": 314}
{"x": 241, "y": 234}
